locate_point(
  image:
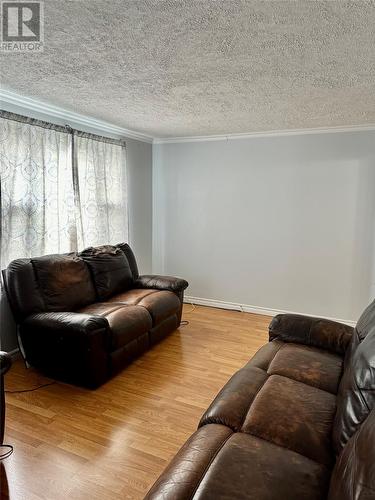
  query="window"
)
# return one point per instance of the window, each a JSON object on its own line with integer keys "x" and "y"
{"x": 60, "y": 190}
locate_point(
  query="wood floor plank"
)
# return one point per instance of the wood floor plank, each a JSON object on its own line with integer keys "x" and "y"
{"x": 112, "y": 443}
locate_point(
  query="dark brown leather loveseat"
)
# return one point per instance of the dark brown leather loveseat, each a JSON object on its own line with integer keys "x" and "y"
{"x": 82, "y": 317}
{"x": 296, "y": 423}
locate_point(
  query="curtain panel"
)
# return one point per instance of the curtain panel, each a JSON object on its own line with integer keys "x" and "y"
{"x": 60, "y": 190}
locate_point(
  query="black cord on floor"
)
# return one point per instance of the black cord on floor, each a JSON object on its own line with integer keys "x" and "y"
{"x": 8, "y": 453}
{"x": 33, "y": 389}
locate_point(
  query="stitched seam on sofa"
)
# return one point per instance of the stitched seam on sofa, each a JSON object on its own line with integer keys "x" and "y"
{"x": 259, "y": 388}
{"x": 216, "y": 420}
{"x": 281, "y": 347}
{"x": 303, "y": 383}
{"x": 247, "y": 409}
{"x": 317, "y": 388}
{"x": 252, "y": 401}
{"x": 103, "y": 314}
{"x": 289, "y": 449}
{"x": 209, "y": 465}
{"x": 150, "y": 292}
{"x": 144, "y": 307}
{"x": 296, "y": 380}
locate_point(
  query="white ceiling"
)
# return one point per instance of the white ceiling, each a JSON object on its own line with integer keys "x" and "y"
{"x": 199, "y": 67}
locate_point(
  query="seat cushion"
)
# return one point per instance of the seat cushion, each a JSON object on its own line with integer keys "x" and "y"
{"x": 215, "y": 464}
{"x": 127, "y": 323}
{"x": 64, "y": 281}
{"x": 249, "y": 467}
{"x": 269, "y": 399}
{"x": 160, "y": 304}
{"x": 293, "y": 415}
{"x": 310, "y": 365}
{"x": 231, "y": 405}
{"x": 110, "y": 270}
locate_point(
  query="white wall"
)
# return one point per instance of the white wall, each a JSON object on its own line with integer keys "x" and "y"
{"x": 139, "y": 172}
{"x": 276, "y": 222}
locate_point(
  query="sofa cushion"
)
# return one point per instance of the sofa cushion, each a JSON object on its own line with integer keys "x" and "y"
{"x": 353, "y": 476}
{"x": 215, "y": 464}
{"x": 356, "y": 396}
{"x": 183, "y": 475}
{"x": 127, "y": 323}
{"x": 266, "y": 399}
{"x": 293, "y": 415}
{"x": 248, "y": 467}
{"x": 64, "y": 282}
{"x": 160, "y": 304}
{"x": 310, "y": 365}
{"x": 131, "y": 259}
{"x": 110, "y": 270}
{"x": 231, "y": 405}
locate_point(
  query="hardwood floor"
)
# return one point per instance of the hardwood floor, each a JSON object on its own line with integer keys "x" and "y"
{"x": 114, "y": 442}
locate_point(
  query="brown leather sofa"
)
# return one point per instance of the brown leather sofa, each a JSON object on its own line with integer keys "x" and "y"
{"x": 82, "y": 317}
{"x": 296, "y": 423}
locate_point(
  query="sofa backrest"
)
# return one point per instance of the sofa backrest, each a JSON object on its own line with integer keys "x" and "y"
{"x": 356, "y": 394}
{"x": 66, "y": 282}
{"x": 353, "y": 476}
{"x": 129, "y": 254}
{"x": 110, "y": 270}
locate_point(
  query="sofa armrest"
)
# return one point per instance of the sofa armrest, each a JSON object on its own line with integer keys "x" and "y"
{"x": 68, "y": 346}
{"x": 161, "y": 282}
{"x": 69, "y": 323}
{"x": 317, "y": 332}
{"x": 5, "y": 362}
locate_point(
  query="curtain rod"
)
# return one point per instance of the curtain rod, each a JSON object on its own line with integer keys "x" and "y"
{"x": 67, "y": 129}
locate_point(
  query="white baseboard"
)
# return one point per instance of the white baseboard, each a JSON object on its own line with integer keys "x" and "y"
{"x": 253, "y": 309}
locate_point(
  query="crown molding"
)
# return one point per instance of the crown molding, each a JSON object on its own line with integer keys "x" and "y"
{"x": 69, "y": 117}
{"x": 52, "y": 112}
{"x": 272, "y": 133}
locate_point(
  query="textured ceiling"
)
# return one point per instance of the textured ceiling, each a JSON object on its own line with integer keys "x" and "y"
{"x": 199, "y": 67}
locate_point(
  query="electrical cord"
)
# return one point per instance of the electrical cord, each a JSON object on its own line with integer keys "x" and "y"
{"x": 8, "y": 453}
{"x": 191, "y": 310}
{"x": 186, "y": 322}
{"x": 32, "y": 389}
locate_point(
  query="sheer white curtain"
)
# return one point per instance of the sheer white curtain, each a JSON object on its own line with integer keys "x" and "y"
{"x": 102, "y": 200}
{"x": 50, "y": 203}
{"x": 37, "y": 199}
